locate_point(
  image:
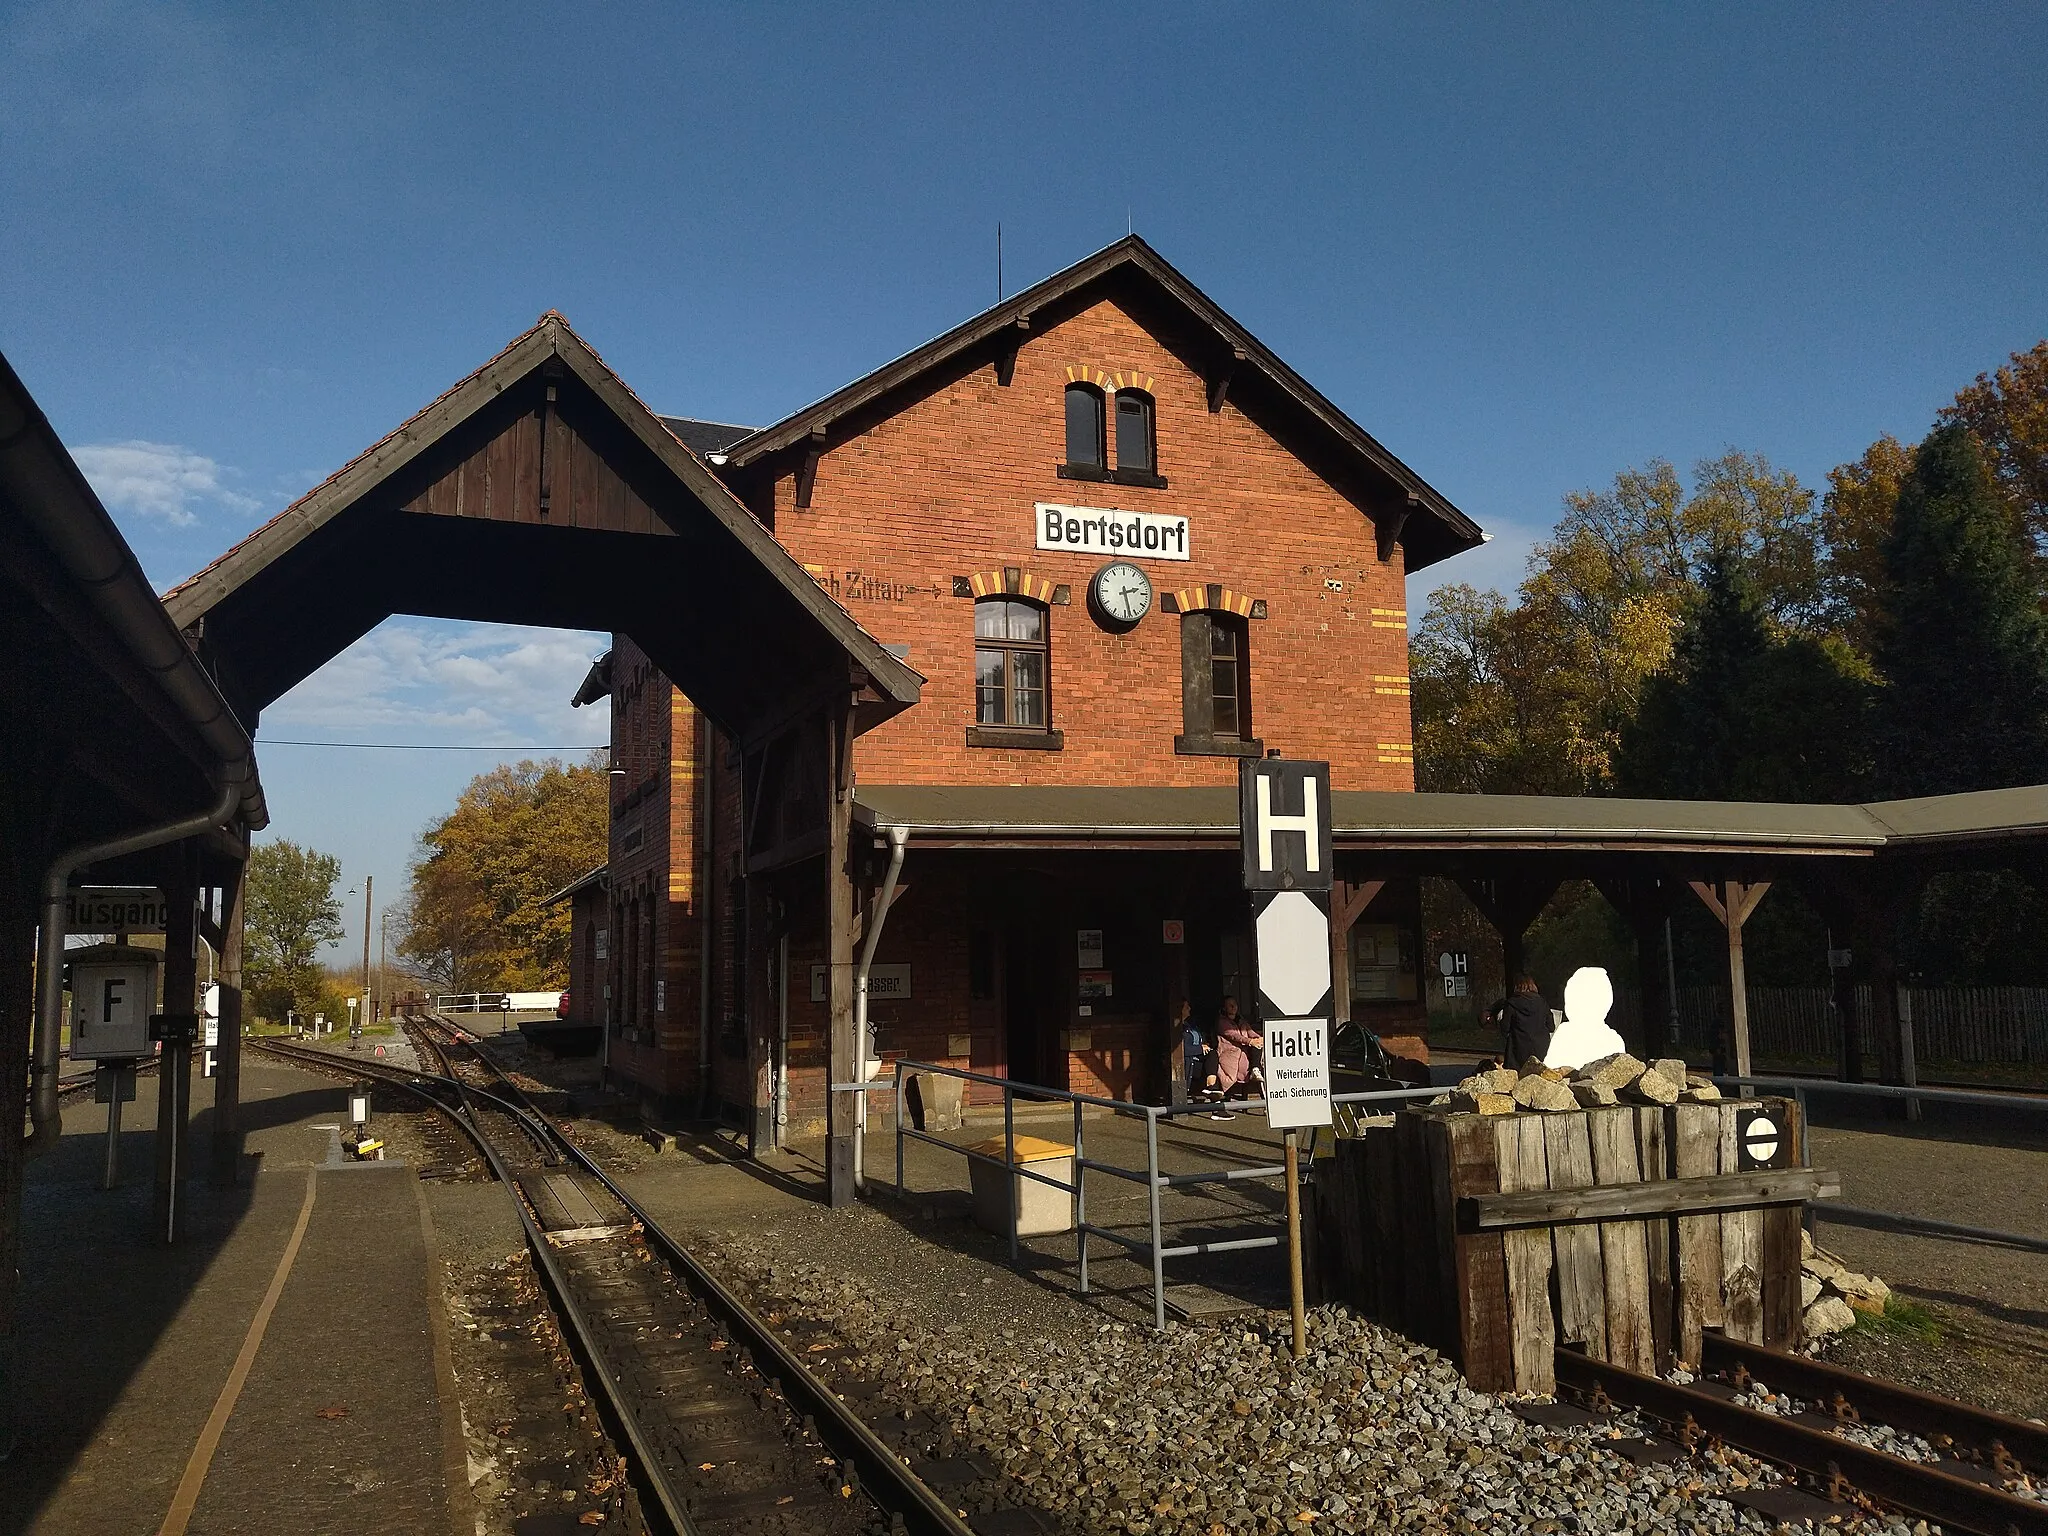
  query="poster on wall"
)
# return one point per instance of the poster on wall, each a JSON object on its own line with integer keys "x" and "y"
{"x": 1089, "y": 943}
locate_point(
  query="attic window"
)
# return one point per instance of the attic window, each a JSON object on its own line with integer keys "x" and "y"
{"x": 1136, "y": 450}
{"x": 1087, "y": 448}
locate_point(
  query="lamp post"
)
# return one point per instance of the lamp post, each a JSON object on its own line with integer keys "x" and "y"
{"x": 362, "y": 1016}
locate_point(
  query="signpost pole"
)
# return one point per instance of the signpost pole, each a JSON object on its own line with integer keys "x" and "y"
{"x": 1284, "y": 832}
{"x": 113, "y": 1077}
{"x": 1294, "y": 1283}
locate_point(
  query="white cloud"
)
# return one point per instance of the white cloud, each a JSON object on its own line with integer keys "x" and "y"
{"x": 158, "y": 480}
{"x": 426, "y": 681}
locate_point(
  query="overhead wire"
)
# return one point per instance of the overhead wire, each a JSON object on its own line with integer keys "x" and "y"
{"x": 421, "y": 746}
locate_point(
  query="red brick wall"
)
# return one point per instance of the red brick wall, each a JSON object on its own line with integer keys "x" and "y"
{"x": 656, "y": 739}
{"x": 947, "y": 488}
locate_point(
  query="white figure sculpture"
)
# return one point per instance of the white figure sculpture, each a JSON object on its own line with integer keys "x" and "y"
{"x": 1584, "y": 1035}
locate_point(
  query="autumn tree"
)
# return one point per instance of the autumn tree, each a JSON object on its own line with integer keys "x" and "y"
{"x": 472, "y": 919}
{"x": 2007, "y": 413}
{"x": 1962, "y": 645}
{"x": 290, "y": 912}
{"x": 1856, "y": 521}
{"x": 1532, "y": 697}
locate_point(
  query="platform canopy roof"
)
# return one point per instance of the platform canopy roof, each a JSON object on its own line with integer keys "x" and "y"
{"x": 1945, "y": 827}
{"x": 539, "y": 490}
{"x": 107, "y": 722}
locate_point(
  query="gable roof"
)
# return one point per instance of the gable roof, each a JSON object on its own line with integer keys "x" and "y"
{"x": 719, "y": 590}
{"x": 1253, "y": 375}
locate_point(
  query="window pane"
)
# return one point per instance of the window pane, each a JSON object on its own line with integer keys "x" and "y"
{"x": 1027, "y": 622}
{"x": 988, "y": 687}
{"x": 1223, "y": 682}
{"x": 1027, "y": 688}
{"x": 1222, "y": 639}
{"x": 1134, "y": 431}
{"x": 1084, "y": 425}
{"x": 988, "y": 619}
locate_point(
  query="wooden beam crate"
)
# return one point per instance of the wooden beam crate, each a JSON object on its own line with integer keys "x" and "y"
{"x": 1624, "y": 1232}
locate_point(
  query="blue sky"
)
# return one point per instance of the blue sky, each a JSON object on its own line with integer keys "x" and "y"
{"x": 1524, "y": 246}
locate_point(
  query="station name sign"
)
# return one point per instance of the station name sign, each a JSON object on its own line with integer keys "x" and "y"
{"x": 1106, "y": 531}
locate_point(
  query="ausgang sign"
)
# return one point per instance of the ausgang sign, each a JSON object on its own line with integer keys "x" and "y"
{"x": 115, "y": 909}
{"x": 1106, "y": 531}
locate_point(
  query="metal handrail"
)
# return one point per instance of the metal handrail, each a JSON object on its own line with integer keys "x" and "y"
{"x": 1155, "y": 1248}
{"x": 1867, "y": 1216}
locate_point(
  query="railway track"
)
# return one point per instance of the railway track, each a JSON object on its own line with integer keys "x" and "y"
{"x": 80, "y": 1082}
{"x": 736, "y": 1424}
{"x": 1974, "y": 1458}
{"x": 728, "y": 1424}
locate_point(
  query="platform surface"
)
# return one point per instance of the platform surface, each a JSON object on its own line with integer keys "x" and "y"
{"x": 126, "y": 1344}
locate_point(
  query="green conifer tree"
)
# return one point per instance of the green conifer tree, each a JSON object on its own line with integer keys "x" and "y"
{"x": 1743, "y": 713}
{"x": 1961, "y": 644}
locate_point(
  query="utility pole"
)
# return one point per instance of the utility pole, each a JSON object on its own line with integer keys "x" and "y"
{"x": 369, "y": 882}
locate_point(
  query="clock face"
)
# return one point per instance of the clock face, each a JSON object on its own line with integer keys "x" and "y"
{"x": 1122, "y": 593}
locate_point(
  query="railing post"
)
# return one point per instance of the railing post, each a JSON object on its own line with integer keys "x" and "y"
{"x": 1080, "y": 1201}
{"x": 1014, "y": 1193}
{"x": 1152, "y": 1192}
{"x": 1807, "y": 1219}
{"x": 900, "y": 1190}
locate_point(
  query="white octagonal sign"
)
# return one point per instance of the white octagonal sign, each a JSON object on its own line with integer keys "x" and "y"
{"x": 1294, "y": 952}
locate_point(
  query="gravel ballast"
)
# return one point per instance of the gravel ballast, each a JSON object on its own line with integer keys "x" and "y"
{"x": 1207, "y": 1430}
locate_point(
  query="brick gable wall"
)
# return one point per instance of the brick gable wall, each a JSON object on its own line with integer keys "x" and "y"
{"x": 947, "y": 488}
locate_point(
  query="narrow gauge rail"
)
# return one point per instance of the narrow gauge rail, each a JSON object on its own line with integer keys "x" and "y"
{"x": 78, "y": 1082}
{"x": 724, "y": 1427}
{"x": 1960, "y": 1494}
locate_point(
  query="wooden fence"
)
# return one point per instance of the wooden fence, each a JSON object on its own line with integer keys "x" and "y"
{"x": 1972, "y": 1025}
{"x": 1488, "y": 1236}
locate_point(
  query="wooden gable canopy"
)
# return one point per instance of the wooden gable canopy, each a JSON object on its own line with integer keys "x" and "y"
{"x": 1406, "y": 511}
{"x": 540, "y": 490}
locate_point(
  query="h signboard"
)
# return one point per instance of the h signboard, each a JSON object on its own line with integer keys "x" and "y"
{"x": 1283, "y": 810}
{"x": 1285, "y": 828}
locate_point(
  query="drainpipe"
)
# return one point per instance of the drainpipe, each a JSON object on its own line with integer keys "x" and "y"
{"x": 782, "y": 1038}
{"x": 898, "y": 838}
{"x": 707, "y": 909}
{"x": 44, "y": 1110}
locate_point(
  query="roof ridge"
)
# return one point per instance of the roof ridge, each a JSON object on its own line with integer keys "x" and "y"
{"x": 550, "y": 317}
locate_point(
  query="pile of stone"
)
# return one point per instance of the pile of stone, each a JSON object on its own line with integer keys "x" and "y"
{"x": 1831, "y": 1293}
{"x": 1618, "y": 1079}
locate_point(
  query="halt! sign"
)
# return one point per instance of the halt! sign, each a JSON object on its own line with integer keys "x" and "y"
{"x": 1284, "y": 825}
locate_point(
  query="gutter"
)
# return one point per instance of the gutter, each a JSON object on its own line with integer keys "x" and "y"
{"x": 44, "y": 1110}
{"x": 40, "y": 481}
{"x": 1368, "y": 836}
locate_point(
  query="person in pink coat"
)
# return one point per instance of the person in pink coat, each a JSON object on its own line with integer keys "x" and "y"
{"x": 1235, "y": 1042}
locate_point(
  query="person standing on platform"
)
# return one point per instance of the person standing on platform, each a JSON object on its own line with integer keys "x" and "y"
{"x": 1526, "y": 1018}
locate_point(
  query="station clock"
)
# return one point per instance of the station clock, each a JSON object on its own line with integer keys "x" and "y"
{"x": 1120, "y": 595}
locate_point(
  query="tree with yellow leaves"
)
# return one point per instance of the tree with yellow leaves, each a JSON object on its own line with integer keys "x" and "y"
{"x": 473, "y": 919}
{"x": 1532, "y": 698}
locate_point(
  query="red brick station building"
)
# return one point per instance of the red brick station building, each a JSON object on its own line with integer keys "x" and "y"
{"x": 1125, "y": 546}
